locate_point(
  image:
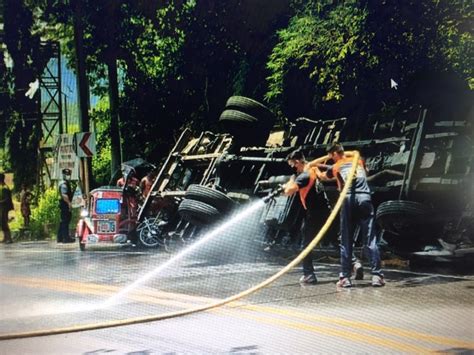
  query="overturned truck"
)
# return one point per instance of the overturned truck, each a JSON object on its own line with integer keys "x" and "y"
{"x": 421, "y": 175}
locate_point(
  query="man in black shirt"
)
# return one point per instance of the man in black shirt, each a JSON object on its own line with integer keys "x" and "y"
{"x": 304, "y": 184}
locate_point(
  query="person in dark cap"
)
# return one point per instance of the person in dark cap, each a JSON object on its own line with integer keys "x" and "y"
{"x": 65, "y": 206}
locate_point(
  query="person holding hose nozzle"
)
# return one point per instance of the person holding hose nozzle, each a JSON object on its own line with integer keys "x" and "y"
{"x": 303, "y": 183}
{"x": 357, "y": 209}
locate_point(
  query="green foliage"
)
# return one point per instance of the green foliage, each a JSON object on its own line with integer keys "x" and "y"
{"x": 330, "y": 48}
{"x": 456, "y": 37}
{"x": 347, "y": 52}
{"x": 4, "y": 161}
{"x": 101, "y": 161}
{"x": 156, "y": 48}
{"x": 45, "y": 216}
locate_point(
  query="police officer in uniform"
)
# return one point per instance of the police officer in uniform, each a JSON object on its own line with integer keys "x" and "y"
{"x": 65, "y": 206}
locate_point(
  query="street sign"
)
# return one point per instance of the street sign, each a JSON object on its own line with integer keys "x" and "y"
{"x": 85, "y": 144}
{"x": 77, "y": 199}
{"x": 66, "y": 157}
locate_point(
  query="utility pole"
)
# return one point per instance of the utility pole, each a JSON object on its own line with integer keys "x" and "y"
{"x": 82, "y": 88}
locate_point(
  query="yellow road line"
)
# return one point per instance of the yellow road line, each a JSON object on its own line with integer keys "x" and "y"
{"x": 98, "y": 291}
{"x": 74, "y": 286}
{"x": 363, "y": 325}
{"x": 171, "y": 299}
{"x": 352, "y": 336}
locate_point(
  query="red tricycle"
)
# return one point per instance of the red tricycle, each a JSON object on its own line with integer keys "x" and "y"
{"x": 108, "y": 218}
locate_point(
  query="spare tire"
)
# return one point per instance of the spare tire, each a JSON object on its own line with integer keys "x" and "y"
{"x": 237, "y": 116}
{"x": 197, "y": 212}
{"x": 212, "y": 197}
{"x": 246, "y": 129}
{"x": 400, "y": 217}
{"x": 251, "y": 107}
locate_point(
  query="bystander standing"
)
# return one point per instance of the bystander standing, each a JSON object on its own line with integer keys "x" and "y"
{"x": 25, "y": 201}
{"x": 6, "y": 205}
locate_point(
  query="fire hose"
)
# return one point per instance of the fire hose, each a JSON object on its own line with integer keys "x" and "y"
{"x": 138, "y": 320}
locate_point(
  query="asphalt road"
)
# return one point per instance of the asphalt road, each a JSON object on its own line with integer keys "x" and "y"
{"x": 50, "y": 286}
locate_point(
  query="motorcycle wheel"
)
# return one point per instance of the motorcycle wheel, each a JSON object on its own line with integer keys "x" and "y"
{"x": 149, "y": 237}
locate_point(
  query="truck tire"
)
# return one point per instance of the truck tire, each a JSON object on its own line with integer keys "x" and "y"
{"x": 197, "y": 213}
{"x": 246, "y": 129}
{"x": 212, "y": 197}
{"x": 251, "y": 107}
{"x": 399, "y": 217}
{"x": 237, "y": 116}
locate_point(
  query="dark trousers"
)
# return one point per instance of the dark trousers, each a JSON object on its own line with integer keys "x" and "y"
{"x": 311, "y": 224}
{"x": 357, "y": 209}
{"x": 7, "y": 237}
{"x": 63, "y": 231}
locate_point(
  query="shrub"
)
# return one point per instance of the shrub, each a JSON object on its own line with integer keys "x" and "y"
{"x": 46, "y": 216}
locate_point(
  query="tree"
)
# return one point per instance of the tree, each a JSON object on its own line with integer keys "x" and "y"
{"x": 24, "y": 132}
{"x": 325, "y": 50}
{"x": 337, "y": 58}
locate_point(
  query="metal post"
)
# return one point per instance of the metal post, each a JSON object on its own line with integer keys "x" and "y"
{"x": 60, "y": 90}
{"x": 82, "y": 83}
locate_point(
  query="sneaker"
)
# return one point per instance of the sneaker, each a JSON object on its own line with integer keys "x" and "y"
{"x": 344, "y": 282}
{"x": 378, "y": 281}
{"x": 310, "y": 279}
{"x": 358, "y": 271}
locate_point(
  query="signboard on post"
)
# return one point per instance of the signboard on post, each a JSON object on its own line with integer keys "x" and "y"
{"x": 66, "y": 157}
{"x": 85, "y": 144}
{"x": 77, "y": 199}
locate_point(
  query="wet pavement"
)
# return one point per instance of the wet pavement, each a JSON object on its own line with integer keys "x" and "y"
{"x": 46, "y": 286}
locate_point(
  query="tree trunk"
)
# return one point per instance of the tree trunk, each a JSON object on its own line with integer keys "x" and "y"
{"x": 114, "y": 116}
{"x": 24, "y": 118}
{"x": 82, "y": 86}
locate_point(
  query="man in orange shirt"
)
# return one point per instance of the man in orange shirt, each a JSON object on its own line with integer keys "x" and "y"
{"x": 357, "y": 209}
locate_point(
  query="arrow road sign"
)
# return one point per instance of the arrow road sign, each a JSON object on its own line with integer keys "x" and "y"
{"x": 85, "y": 144}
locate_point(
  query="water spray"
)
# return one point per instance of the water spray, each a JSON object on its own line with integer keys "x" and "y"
{"x": 215, "y": 232}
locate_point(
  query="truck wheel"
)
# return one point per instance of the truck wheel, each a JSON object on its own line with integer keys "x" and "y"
{"x": 399, "y": 217}
{"x": 237, "y": 116}
{"x": 197, "y": 212}
{"x": 212, "y": 197}
{"x": 246, "y": 129}
{"x": 251, "y": 107}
